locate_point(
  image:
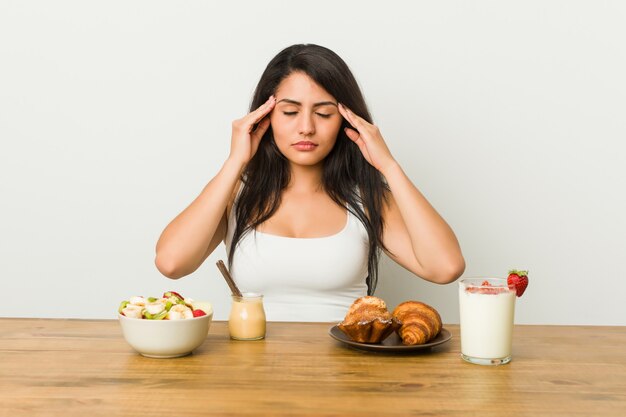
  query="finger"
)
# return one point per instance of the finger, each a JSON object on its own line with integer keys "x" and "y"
{"x": 352, "y": 134}
{"x": 253, "y": 123}
{"x": 356, "y": 138}
{"x": 261, "y": 128}
{"x": 359, "y": 124}
{"x": 355, "y": 120}
{"x": 344, "y": 112}
{"x": 262, "y": 111}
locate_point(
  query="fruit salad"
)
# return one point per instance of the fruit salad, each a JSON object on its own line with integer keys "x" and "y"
{"x": 171, "y": 306}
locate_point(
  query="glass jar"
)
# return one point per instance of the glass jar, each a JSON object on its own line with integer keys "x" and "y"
{"x": 247, "y": 317}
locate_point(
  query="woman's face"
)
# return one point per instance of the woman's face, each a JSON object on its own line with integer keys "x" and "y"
{"x": 305, "y": 121}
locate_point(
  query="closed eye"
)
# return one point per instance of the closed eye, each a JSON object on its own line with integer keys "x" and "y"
{"x": 293, "y": 113}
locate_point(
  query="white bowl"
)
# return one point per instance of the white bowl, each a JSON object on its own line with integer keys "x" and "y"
{"x": 165, "y": 338}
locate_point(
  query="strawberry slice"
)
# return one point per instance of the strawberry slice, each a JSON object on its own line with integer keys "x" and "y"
{"x": 518, "y": 280}
{"x": 198, "y": 313}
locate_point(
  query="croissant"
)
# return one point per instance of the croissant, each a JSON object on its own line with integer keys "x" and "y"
{"x": 368, "y": 320}
{"x": 420, "y": 322}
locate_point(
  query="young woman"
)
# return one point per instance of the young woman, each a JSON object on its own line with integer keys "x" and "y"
{"x": 308, "y": 197}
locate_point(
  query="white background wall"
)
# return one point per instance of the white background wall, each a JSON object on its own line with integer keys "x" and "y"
{"x": 509, "y": 116}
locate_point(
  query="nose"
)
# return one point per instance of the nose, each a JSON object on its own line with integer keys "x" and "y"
{"x": 307, "y": 125}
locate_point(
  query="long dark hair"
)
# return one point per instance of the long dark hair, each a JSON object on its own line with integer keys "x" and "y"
{"x": 348, "y": 178}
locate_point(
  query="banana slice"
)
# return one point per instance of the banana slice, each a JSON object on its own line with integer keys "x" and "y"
{"x": 137, "y": 301}
{"x": 155, "y": 307}
{"x": 179, "y": 311}
{"x": 133, "y": 311}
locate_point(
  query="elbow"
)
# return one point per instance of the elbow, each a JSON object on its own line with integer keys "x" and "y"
{"x": 168, "y": 266}
{"x": 449, "y": 272}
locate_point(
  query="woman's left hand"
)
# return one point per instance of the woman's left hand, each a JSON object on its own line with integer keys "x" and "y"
{"x": 369, "y": 140}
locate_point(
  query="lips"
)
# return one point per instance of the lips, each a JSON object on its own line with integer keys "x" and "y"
{"x": 305, "y": 145}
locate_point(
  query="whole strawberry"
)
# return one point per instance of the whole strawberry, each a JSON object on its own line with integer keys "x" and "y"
{"x": 518, "y": 280}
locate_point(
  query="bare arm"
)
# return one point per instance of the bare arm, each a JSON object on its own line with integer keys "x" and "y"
{"x": 416, "y": 236}
{"x": 195, "y": 233}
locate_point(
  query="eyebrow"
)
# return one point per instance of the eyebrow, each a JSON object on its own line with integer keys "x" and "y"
{"x": 297, "y": 103}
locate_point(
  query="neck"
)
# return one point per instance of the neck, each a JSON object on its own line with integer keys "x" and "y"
{"x": 306, "y": 178}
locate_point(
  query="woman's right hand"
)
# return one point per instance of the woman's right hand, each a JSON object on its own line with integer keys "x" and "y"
{"x": 246, "y": 138}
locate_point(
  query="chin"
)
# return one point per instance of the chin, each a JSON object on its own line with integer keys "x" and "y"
{"x": 305, "y": 161}
{"x": 304, "y": 158}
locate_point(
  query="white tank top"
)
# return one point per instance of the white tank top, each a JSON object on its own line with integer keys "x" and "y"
{"x": 313, "y": 279}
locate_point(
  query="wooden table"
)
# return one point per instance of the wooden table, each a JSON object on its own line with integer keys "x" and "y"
{"x": 85, "y": 368}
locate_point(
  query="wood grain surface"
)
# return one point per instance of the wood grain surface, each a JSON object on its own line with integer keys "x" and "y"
{"x": 85, "y": 368}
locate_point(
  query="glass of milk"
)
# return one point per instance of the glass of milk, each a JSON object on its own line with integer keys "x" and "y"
{"x": 487, "y": 308}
